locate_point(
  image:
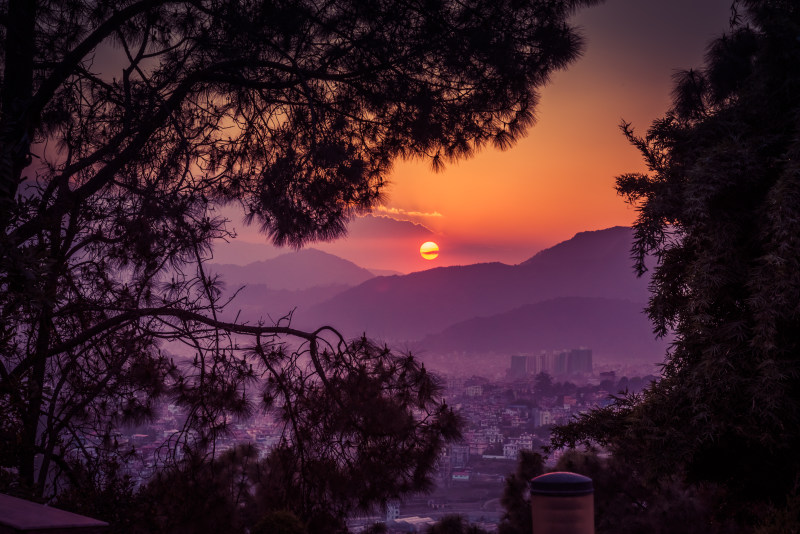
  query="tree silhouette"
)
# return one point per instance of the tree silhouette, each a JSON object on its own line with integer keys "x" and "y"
{"x": 126, "y": 124}
{"x": 454, "y": 524}
{"x": 719, "y": 211}
{"x": 624, "y": 504}
{"x": 516, "y": 500}
{"x": 373, "y": 433}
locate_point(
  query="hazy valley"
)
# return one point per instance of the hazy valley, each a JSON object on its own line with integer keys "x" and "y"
{"x": 581, "y": 292}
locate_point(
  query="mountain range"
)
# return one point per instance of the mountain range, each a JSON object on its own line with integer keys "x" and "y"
{"x": 298, "y": 270}
{"x": 591, "y": 264}
{"x": 581, "y": 292}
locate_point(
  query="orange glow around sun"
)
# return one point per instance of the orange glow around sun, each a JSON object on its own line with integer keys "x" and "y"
{"x": 429, "y": 250}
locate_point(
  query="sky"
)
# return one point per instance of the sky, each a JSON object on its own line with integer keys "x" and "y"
{"x": 559, "y": 180}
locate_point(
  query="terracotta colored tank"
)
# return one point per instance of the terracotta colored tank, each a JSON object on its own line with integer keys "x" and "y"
{"x": 562, "y": 503}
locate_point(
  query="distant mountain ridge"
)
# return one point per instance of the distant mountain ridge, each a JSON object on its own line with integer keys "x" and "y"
{"x": 591, "y": 245}
{"x": 613, "y": 328}
{"x": 591, "y": 264}
{"x": 257, "y": 302}
{"x": 581, "y": 292}
{"x": 299, "y": 270}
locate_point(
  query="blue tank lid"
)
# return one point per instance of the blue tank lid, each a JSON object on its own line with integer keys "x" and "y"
{"x": 562, "y": 484}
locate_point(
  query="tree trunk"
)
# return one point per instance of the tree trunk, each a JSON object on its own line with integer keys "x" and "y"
{"x": 17, "y": 90}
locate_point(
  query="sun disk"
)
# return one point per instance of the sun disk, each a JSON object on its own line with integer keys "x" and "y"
{"x": 429, "y": 250}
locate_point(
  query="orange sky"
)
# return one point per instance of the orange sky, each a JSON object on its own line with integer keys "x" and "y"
{"x": 559, "y": 180}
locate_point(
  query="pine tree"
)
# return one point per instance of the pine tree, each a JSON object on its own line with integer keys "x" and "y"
{"x": 720, "y": 212}
{"x": 124, "y": 125}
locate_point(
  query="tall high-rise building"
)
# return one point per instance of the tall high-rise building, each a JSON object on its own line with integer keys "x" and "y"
{"x": 560, "y": 361}
{"x": 579, "y": 361}
{"x": 538, "y": 363}
{"x": 557, "y": 363}
{"x": 519, "y": 367}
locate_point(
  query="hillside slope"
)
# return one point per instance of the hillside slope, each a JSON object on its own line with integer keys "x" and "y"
{"x": 591, "y": 264}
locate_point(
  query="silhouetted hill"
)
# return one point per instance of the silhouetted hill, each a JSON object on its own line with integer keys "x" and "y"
{"x": 385, "y": 272}
{"x": 303, "y": 269}
{"x": 611, "y": 244}
{"x": 613, "y": 328}
{"x": 258, "y": 302}
{"x": 243, "y": 252}
{"x": 410, "y": 306}
{"x": 591, "y": 264}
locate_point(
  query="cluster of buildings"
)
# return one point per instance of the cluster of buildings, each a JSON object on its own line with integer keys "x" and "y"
{"x": 558, "y": 363}
{"x": 502, "y": 418}
{"x": 151, "y": 442}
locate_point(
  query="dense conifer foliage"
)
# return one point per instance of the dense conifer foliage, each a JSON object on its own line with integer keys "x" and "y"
{"x": 720, "y": 211}
{"x": 625, "y": 504}
{"x": 125, "y": 124}
{"x": 454, "y": 524}
{"x": 516, "y": 499}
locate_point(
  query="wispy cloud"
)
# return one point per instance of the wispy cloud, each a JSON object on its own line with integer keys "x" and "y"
{"x": 400, "y": 213}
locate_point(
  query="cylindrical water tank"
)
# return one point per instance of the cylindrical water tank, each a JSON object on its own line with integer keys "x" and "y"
{"x": 562, "y": 503}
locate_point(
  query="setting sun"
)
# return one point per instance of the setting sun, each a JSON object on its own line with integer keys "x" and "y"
{"x": 429, "y": 250}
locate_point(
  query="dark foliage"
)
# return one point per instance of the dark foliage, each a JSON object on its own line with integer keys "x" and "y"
{"x": 124, "y": 125}
{"x": 376, "y": 528}
{"x": 454, "y": 524}
{"x": 199, "y": 495}
{"x": 372, "y": 432}
{"x": 516, "y": 498}
{"x": 102, "y": 490}
{"x": 782, "y": 519}
{"x": 624, "y": 504}
{"x": 719, "y": 211}
{"x": 279, "y": 523}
